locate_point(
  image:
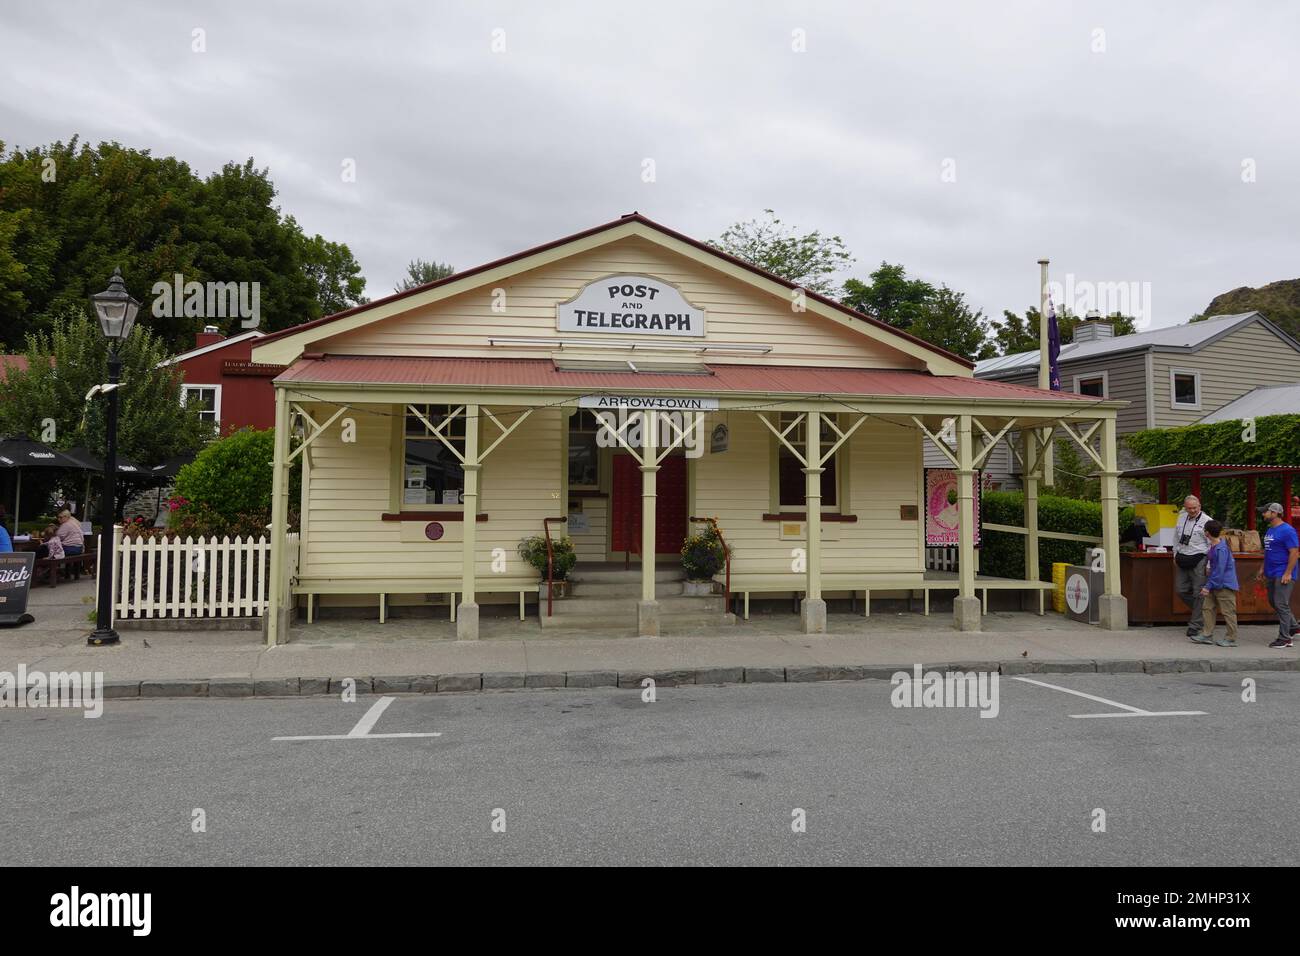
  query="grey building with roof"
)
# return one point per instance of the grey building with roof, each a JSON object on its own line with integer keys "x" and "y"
{"x": 1178, "y": 375}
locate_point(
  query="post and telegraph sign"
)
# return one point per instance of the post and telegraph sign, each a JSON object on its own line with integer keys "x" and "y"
{"x": 631, "y": 304}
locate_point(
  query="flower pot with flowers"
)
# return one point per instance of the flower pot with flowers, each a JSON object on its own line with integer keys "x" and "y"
{"x": 703, "y": 556}
{"x": 563, "y": 558}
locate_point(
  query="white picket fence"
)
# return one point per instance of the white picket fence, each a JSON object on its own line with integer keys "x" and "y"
{"x": 203, "y": 578}
{"x": 941, "y": 559}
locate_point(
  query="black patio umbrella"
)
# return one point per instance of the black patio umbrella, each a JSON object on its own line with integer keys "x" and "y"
{"x": 93, "y": 466}
{"x": 168, "y": 469}
{"x": 19, "y": 452}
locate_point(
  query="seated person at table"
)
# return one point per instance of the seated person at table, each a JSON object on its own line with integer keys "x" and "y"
{"x": 6, "y": 545}
{"x": 70, "y": 536}
{"x": 52, "y": 546}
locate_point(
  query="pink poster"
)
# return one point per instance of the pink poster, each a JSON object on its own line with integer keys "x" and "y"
{"x": 941, "y": 508}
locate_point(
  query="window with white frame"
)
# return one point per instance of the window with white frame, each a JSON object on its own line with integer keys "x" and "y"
{"x": 1185, "y": 389}
{"x": 431, "y": 472}
{"x": 1096, "y": 385}
{"x": 208, "y": 400}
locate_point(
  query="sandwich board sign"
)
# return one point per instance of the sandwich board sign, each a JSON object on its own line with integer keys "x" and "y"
{"x": 15, "y": 583}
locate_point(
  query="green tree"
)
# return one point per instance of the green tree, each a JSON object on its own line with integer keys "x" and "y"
{"x": 889, "y": 296}
{"x": 948, "y": 322}
{"x": 419, "y": 272}
{"x": 67, "y": 360}
{"x": 809, "y": 259}
{"x": 333, "y": 272}
{"x": 70, "y": 213}
{"x": 1019, "y": 333}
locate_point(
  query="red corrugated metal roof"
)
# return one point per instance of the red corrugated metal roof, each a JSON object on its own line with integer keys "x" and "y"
{"x": 542, "y": 373}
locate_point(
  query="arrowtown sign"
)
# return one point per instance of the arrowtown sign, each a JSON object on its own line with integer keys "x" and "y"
{"x": 633, "y": 304}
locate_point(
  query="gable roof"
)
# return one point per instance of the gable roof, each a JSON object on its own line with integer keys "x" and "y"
{"x": 295, "y": 339}
{"x": 1258, "y": 402}
{"x": 1190, "y": 337}
{"x": 214, "y": 346}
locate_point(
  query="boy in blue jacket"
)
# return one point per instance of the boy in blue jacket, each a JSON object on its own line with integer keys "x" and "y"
{"x": 1220, "y": 591}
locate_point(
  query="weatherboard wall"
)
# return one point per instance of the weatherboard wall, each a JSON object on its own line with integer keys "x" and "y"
{"x": 462, "y": 326}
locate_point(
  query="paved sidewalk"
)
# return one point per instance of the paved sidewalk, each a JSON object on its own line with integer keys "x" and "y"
{"x": 423, "y": 655}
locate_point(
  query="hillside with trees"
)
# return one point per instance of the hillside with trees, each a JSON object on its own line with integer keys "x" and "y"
{"x": 1278, "y": 301}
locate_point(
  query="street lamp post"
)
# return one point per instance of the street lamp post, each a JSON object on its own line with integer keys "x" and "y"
{"x": 116, "y": 312}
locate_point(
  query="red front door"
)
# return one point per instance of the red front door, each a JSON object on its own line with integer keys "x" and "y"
{"x": 670, "y": 505}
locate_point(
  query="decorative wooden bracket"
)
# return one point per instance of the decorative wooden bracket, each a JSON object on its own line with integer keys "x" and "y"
{"x": 316, "y": 429}
{"x": 938, "y": 442}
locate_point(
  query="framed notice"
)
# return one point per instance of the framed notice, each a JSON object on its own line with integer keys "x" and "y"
{"x": 15, "y": 585}
{"x": 941, "y": 521}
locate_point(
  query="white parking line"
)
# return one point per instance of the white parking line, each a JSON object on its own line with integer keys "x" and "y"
{"x": 362, "y": 730}
{"x": 1128, "y": 711}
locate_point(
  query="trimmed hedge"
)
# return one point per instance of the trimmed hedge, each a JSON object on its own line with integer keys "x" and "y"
{"x": 1276, "y": 442}
{"x": 1003, "y": 554}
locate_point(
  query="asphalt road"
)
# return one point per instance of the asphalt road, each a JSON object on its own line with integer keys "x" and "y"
{"x": 704, "y": 775}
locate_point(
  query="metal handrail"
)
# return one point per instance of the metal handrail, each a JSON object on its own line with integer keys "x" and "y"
{"x": 550, "y": 560}
{"x": 726, "y": 553}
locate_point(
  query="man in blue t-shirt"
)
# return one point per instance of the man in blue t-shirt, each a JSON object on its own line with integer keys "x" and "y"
{"x": 1281, "y": 551}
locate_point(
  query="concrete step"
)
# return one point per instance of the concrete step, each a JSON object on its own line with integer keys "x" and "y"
{"x": 620, "y": 624}
{"x": 582, "y": 605}
{"x": 632, "y": 589}
{"x": 616, "y": 575}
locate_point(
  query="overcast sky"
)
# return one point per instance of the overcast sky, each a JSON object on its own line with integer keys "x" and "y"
{"x": 1111, "y": 137}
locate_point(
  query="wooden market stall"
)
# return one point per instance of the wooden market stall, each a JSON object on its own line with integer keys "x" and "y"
{"x": 1147, "y": 577}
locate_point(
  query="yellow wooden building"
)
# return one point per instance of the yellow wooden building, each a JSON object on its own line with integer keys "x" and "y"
{"x": 624, "y": 381}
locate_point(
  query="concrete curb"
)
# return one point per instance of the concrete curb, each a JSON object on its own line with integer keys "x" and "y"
{"x": 240, "y": 687}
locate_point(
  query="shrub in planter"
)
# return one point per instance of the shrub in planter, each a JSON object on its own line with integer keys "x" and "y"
{"x": 703, "y": 555}
{"x": 564, "y": 557}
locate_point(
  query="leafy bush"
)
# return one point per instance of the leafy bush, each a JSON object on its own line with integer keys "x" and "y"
{"x": 564, "y": 557}
{"x": 1276, "y": 442}
{"x": 703, "y": 555}
{"x": 1003, "y": 553}
{"x": 229, "y": 484}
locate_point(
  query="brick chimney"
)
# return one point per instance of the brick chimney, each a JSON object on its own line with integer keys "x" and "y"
{"x": 209, "y": 336}
{"x": 1092, "y": 328}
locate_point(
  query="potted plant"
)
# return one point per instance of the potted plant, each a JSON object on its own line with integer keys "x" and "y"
{"x": 563, "y": 558}
{"x": 703, "y": 556}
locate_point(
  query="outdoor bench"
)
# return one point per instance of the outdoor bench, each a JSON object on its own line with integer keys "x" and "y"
{"x": 853, "y": 581}
{"x": 74, "y": 564}
{"x": 452, "y": 587}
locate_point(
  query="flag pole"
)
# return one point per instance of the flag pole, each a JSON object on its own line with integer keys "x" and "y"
{"x": 1044, "y": 365}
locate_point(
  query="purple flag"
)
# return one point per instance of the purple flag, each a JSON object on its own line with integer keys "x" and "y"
{"x": 1053, "y": 348}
